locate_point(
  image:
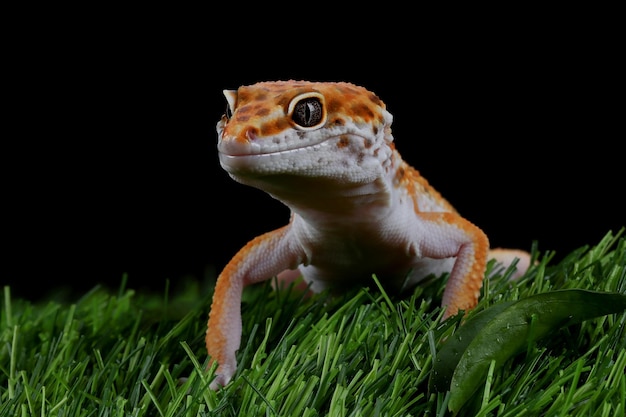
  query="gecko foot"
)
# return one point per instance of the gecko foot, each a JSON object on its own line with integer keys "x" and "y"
{"x": 223, "y": 376}
{"x": 507, "y": 256}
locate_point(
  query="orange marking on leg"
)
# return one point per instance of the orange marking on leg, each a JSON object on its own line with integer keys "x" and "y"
{"x": 466, "y": 278}
{"x": 223, "y": 334}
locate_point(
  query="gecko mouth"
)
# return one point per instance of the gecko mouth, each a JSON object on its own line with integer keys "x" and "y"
{"x": 273, "y": 161}
{"x": 307, "y": 159}
{"x": 261, "y": 153}
{"x": 232, "y": 149}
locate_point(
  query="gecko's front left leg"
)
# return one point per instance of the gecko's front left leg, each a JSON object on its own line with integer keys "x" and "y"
{"x": 450, "y": 235}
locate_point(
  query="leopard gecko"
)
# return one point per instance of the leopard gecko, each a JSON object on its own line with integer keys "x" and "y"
{"x": 326, "y": 151}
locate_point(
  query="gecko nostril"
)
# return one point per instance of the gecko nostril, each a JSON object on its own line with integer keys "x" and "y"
{"x": 251, "y": 133}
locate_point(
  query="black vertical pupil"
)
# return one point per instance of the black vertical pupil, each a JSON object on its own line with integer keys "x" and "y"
{"x": 307, "y": 112}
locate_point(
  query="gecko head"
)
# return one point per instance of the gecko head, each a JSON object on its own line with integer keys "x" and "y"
{"x": 309, "y": 130}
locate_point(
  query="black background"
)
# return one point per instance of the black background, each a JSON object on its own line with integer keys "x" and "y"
{"x": 110, "y": 164}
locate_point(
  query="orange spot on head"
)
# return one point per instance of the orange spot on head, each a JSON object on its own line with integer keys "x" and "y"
{"x": 334, "y": 105}
{"x": 343, "y": 141}
{"x": 374, "y": 99}
{"x": 261, "y": 96}
{"x": 363, "y": 111}
{"x": 242, "y": 95}
{"x": 243, "y": 114}
{"x": 275, "y": 126}
{"x": 264, "y": 111}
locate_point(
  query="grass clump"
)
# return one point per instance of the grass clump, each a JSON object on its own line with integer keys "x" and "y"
{"x": 362, "y": 354}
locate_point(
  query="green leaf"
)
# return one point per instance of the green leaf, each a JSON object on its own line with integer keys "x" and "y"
{"x": 519, "y": 325}
{"x": 450, "y": 353}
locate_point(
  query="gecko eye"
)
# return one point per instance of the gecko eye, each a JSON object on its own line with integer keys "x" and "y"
{"x": 307, "y": 111}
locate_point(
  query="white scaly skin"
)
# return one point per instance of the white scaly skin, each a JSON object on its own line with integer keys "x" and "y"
{"x": 326, "y": 151}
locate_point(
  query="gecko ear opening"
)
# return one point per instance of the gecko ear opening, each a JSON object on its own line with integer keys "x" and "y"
{"x": 307, "y": 111}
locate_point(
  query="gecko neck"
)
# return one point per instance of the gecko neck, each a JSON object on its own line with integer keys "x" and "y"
{"x": 315, "y": 198}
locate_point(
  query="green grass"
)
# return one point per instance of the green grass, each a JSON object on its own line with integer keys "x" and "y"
{"x": 363, "y": 354}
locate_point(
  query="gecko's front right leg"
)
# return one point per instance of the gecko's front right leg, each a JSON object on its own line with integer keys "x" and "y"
{"x": 259, "y": 260}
